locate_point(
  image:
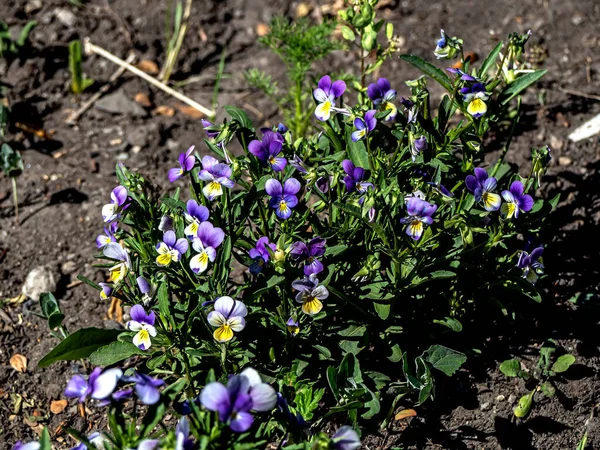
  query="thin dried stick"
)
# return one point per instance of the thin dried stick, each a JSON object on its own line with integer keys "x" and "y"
{"x": 91, "y": 48}
{"x": 74, "y": 117}
{"x": 580, "y": 94}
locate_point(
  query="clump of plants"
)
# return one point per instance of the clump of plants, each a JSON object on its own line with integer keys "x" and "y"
{"x": 313, "y": 279}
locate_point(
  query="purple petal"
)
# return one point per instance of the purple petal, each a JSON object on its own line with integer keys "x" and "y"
{"x": 338, "y": 88}
{"x": 317, "y": 246}
{"x": 221, "y": 170}
{"x": 526, "y": 202}
{"x": 215, "y": 397}
{"x": 181, "y": 245}
{"x": 197, "y": 211}
{"x": 169, "y": 238}
{"x": 481, "y": 174}
{"x": 189, "y": 163}
{"x": 314, "y": 267}
{"x": 242, "y": 422}
{"x": 384, "y": 84}
{"x": 374, "y": 92}
{"x": 348, "y": 166}
{"x": 208, "y": 162}
{"x": 489, "y": 185}
{"x": 263, "y": 397}
{"x": 471, "y": 183}
{"x": 144, "y": 287}
{"x": 138, "y": 313}
{"x": 415, "y": 206}
{"x": 273, "y": 187}
{"x": 119, "y": 195}
{"x": 536, "y": 253}
{"x": 174, "y": 174}
{"x": 325, "y": 84}
{"x": 209, "y": 235}
{"x": 358, "y": 174}
{"x": 299, "y": 250}
{"x": 291, "y": 187}
{"x": 113, "y": 250}
{"x": 290, "y": 200}
{"x": 370, "y": 120}
{"x": 147, "y": 393}
{"x": 517, "y": 188}
{"x": 258, "y": 149}
{"x": 359, "y": 124}
{"x": 76, "y": 388}
{"x": 279, "y": 164}
{"x": 105, "y": 384}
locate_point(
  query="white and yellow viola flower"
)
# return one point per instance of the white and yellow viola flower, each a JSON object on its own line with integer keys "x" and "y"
{"x": 195, "y": 214}
{"x": 326, "y": 94}
{"x": 119, "y": 271}
{"x": 476, "y": 96}
{"x": 227, "y": 317}
{"x": 170, "y": 249}
{"x": 205, "y": 243}
{"x": 216, "y": 175}
{"x": 310, "y": 294}
{"x": 144, "y": 325}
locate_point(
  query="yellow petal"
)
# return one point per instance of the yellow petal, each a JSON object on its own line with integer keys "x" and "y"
{"x": 223, "y": 334}
{"x": 164, "y": 259}
{"x": 312, "y": 306}
{"x": 477, "y": 107}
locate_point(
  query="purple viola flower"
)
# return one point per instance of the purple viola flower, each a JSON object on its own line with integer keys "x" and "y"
{"x": 106, "y": 291}
{"x": 411, "y": 110}
{"x": 445, "y": 47}
{"x": 244, "y": 393}
{"x": 345, "y": 439}
{"x": 114, "y": 251}
{"x": 418, "y": 146}
{"x": 476, "y": 96}
{"x": 283, "y": 198}
{"x": 420, "y": 212}
{"x": 195, "y": 214}
{"x": 182, "y": 435}
{"x": 310, "y": 294}
{"x": 308, "y": 254}
{"x": 297, "y": 163}
{"x": 267, "y": 150}
{"x": 144, "y": 288}
{"x": 33, "y": 445}
{"x": 326, "y": 95}
{"x": 364, "y": 126}
{"x": 108, "y": 236}
{"x": 118, "y": 203}
{"x": 292, "y": 326}
{"x": 217, "y": 175}
{"x": 532, "y": 264}
{"x": 482, "y": 186}
{"x": 186, "y": 164}
{"x": 146, "y": 387}
{"x": 463, "y": 76}
{"x": 382, "y": 95}
{"x": 211, "y": 134}
{"x": 205, "y": 243}
{"x": 170, "y": 249}
{"x": 166, "y": 223}
{"x": 98, "y": 386}
{"x": 354, "y": 178}
{"x": 322, "y": 184}
{"x": 227, "y": 317}
{"x": 441, "y": 189}
{"x": 96, "y": 439}
{"x": 295, "y": 420}
{"x": 515, "y": 201}
{"x": 144, "y": 325}
{"x": 260, "y": 254}
{"x": 281, "y": 128}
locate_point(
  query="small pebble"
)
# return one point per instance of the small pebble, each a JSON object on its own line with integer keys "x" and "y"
{"x": 564, "y": 161}
{"x": 41, "y": 279}
{"x": 500, "y": 398}
{"x": 485, "y": 406}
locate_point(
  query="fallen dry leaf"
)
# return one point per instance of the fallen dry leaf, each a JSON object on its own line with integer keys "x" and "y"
{"x": 18, "y": 362}
{"x": 163, "y": 110}
{"x": 58, "y": 406}
{"x": 189, "y": 111}
{"x": 405, "y": 413}
{"x": 262, "y": 29}
{"x": 471, "y": 57}
{"x": 148, "y": 66}
{"x": 143, "y": 99}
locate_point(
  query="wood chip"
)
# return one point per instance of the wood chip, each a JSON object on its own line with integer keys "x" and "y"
{"x": 189, "y": 111}
{"x": 143, "y": 99}
{"x": 58, "y": 406}
{"x": 405, "y": 414}
{"x": 148, "y": 66}
{"x": 262, "y": 29}
{"x": 19, "y": 363}
{"x": 164, "y": 110}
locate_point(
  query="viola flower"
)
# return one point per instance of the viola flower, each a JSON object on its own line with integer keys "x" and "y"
{"x": 106, "y": 291}
{"x": 310, "y": 294}
{"x": 244, "y": 393}
{"x": 382, "y": 95}
{"x": 118, "y": 203}
{"x": 96, "y": 439}
{"x": 441, "y": 189}
{"x": 227, "y": 317}
{"x": 354, "y": 178}
{"x": 532, "y": 264}
{"x": 476, "y": 96}
{"x": 345, "y": 439}
{"x": 33, "y": 445}
{"x": 267, "y": 150}
{"x": 516, "y": 201}
{"x": 364, "y": 127}
{"x": 297, "y": 163}
{"x": 463, "y": 76}
{"x": 166, "y": 223}
{"x": 217, "y": 175}
{"x": 205, "y": 243}
{"x": 281, "y": 128}
{"x": 481, "y": 186}
{"x": 283, "y": 198}
{"x": 182, "y": 435}
{"x": 326, "y": 94}
{"x": 170, "y": 249}
{"x": 194, "y": 216}
{"x": 419, "y": 212}
{"x": 114, "y": 251}
{"x": 98, "y": 386}
{"x": 418, "y": 146}
{"x": 293, "y": 326}
{"x": 411, "y": 112}
{"x": 322, "y": 184}
{"x": 209, "y": 133}
{"x": 146, "y": 387}
{"x": 308, "y": 253}
{"x": 144, "y": 325}
{"x": 186, "y": 164}
{"x": 145, "y": 289}
{"x": 108, "y": 236}
{"x": 260, "y": 254}
{"x": 445, "y": 47}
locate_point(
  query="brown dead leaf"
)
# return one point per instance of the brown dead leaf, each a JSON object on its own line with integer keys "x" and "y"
{"x": 148, "y": 66}
{"x": 262, "y": 29}
{"x": 19, "y": 363}
{"x": 39, "y": 132}
{"x": 471, "y": 57}
{"x": 189, "y": 111}
{"x": 164, "y": 110}
{"x": 58, "y": 406}
{"x": 143, "y": 99}
{"x": 405, "y": 414}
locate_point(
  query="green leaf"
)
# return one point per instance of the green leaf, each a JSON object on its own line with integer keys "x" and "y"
{"x": 445, "y": 359}
{"x": 548, "y": 389}
{"x": 357, "y": 151}
{"x": 382, "y": 309}
{"x": 114, "y": 352}
{"x": 45, "y": 443}
{"x": 79, "y": 345}
{"x": 519, "y": 85}
{"x": 524, "y": 406}
{"x": 511, "y": 368}
{"x": 347, "y": 33}
{"x": 430, "y": 70}
{"x": 563, "y": 363}
{"x": 24, "y": 34}
{"x": 10, "y": 161}
{"x": 451, "y": 323}
{"x": 240, "y": 117}
{"x": 51, "y": 310}
{"x": 488, "y": 63}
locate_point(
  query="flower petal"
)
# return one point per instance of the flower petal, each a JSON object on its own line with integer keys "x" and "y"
{"x": 105, "y": 383}
{"x": 273, "y": 187}
{"x": 215, "y": 397}
{"x": 264, "y": 397}
{"x": 241, "y": 422}
{"x": 216, "y": 318}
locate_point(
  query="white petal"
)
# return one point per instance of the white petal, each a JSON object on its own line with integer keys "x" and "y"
{"x": 252, "y": 375}
{"x": 263, "y": 397}
{"x": 216, "y": 319}
{"x": 106, "y": 383}
{"x": 134, "y": 325}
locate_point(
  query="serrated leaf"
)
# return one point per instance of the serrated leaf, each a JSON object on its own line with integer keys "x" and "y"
{"x": 445, "y": 359}
{"x": 114, "y": 352}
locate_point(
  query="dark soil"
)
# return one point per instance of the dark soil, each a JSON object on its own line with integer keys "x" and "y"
{"x": 69, "y": 176}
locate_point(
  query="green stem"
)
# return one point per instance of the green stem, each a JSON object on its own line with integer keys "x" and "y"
{"x": 15, "y": 198}
{"x": 298, "y": 101}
